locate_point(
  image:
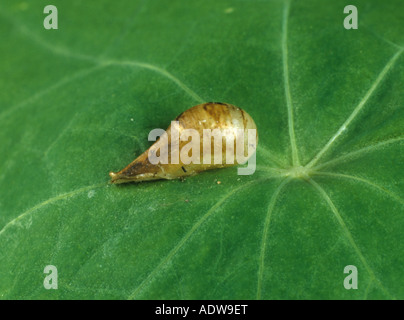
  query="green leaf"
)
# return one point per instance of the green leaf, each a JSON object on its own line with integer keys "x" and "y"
{"x": 79, "y": 101}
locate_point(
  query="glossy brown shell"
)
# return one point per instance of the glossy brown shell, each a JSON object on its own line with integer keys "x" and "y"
{"x": 211, "y": 115}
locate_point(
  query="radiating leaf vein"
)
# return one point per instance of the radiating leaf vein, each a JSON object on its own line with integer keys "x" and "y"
{"x": 362, "y": 180}
{"x": 347, "y": 233}
{"x": 265, "y": 236}
{"x": 357, "y": 109}
{"x": 47, "y": 202}
{"x": 289, "y": 104}
{"x": 185, "y": 238}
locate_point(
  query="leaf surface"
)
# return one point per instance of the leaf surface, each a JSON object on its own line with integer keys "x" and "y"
{"x": 78, "y": 102}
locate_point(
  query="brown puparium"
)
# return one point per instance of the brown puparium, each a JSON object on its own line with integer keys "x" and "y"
{"x": 211, "y": 115}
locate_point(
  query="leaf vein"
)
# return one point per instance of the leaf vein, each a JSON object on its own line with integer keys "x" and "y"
{"x": 63, "y": 81}
{"x": 354, "y": 178}
{"x": 348, "y": 234}
{"x": 47, "y": 202}
{"x": 353, "y": 154}
{"x": 267, "y": 222}
{"x": 161, "y": 71}
{"x": 289, "y": 104}
{"x": 357, "y": 109}
{"x": 184, "y": 239}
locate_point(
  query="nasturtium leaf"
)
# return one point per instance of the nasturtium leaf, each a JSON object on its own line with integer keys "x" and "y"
{"x": 79, "y": 101}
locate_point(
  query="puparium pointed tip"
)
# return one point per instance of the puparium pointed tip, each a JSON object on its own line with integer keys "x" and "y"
{"x": 114, "y": 176}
